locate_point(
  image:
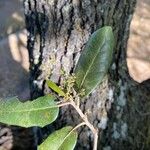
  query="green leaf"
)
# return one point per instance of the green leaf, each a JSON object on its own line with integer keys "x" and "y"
{"x": 95, "y": 60}
{"x": 39, "y": 112}
{"x": 63, "y": 139}
{"x": 54, "y": 87}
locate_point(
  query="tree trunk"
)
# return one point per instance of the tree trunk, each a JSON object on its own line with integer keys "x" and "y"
{"x": 57, "y": 33}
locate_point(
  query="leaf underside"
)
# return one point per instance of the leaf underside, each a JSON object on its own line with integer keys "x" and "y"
{"x": 63, "y": 139}
{"x": 95, "y": 60}
{"x": 39, "y": 112}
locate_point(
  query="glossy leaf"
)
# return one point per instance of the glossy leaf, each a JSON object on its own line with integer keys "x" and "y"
{"x": 39, "y": 112}
{"x": 95, "y": 60}
{"x": 54, "y": 87}
{"x": 63, "y": 139}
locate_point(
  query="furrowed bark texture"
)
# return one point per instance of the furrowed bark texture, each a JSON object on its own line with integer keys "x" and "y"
{"x": 57, "y": 33}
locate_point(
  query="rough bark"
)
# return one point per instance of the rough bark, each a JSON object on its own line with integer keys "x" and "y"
{"x": 57, "y": 33}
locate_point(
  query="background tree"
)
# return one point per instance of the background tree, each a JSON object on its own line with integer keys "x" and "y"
{"x": 58, "y": 31}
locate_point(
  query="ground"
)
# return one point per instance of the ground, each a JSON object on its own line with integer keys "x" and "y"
{"x": 14, "y": 63}
{"x": 138, "y": 54}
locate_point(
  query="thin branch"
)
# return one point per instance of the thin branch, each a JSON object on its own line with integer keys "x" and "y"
{"x": 63, "y": 104}
{"x": 85, "y": 119}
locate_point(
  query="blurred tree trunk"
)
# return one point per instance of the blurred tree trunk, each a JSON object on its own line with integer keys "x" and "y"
{"x": 57, "y": 33}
